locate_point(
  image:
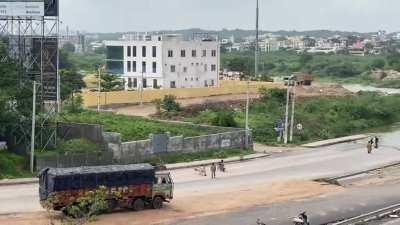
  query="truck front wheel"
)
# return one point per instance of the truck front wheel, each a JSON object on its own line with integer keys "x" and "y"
{"x": 157, "y": 202}
{"x": 137, "y": 204}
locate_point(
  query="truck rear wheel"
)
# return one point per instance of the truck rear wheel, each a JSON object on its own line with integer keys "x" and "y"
{"x": 157, "y": 202}
{"x": 111, "y": 205}
{"x": 137, "y": 204}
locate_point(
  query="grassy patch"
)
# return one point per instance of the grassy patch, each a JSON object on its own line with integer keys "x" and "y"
{"x": 322, "y": 118}
{"x": 13, "y": 166}
{"x": 190, "y": 157}
{"x": 137, "y": 128}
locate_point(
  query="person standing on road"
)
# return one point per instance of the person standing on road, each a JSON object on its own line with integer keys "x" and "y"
{"x": 376, "y": 141}
{"x": 213, "y": 170}
{"x": 369, "y": 146}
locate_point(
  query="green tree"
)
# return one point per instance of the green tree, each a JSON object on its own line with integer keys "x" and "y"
{"x": 71, "y": 82}
{"x": 110, "y": 82}
{"x": 378, "y": 64}
{"x": 15, "y": 93}
{"x": 69, "y": 47}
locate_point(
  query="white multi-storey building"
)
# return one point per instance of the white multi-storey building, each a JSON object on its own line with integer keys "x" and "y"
{"x": 164, "y": 61}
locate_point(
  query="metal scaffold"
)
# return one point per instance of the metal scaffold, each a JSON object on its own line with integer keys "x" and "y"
{"x": 30, "y": 30}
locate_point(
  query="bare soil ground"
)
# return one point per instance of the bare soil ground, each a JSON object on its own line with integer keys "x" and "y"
{"x": 188, "y": 205}
{"x": 316, "y": 90}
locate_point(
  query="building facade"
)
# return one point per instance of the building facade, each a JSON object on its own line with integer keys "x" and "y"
{"x": 164, "y": 62}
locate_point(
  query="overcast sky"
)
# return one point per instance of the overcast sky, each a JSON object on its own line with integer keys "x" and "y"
{"x": 148, "y": 15}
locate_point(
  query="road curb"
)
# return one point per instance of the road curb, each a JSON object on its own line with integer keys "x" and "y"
{"x": 335, "y": 179}
{"x": 200, "y": 163}
{"x": 335, "y": 141}
{"x": 193, "y": 165}
{"x": 19, "y": 181}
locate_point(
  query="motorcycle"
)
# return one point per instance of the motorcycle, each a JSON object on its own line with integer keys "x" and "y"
{"x": 259, "y": 222}
{"x": 301, "y": 219}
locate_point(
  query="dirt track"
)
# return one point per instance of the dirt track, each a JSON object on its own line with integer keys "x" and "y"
{"x": 197, "y": 204}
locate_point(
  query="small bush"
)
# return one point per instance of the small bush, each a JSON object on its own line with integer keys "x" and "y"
{"x": 170, "y": 104}
{"x": 77, "y": 146}
{"x": 74, "y": 105}
{"x": 12, "y": 166}
{"x": 224, "y": 119}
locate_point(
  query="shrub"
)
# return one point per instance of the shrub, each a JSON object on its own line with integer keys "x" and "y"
{"x": 12, "y": 166}
{"x": 224, "y": 119}
{"x": 74, "y": 105}
{"x": 170, "y": 104}
{"x": 77, "y": 146}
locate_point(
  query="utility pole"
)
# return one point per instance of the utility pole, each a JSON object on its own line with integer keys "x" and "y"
{"x": 257, "y": 43}
{"x": 293, "y": 105}
{"x": 141, "y": 89}
{"x": 247, "y": 113}
{"x": 287, "y": 112}
{"x": 98, "y": 89}
{"x": 33, "y": 127}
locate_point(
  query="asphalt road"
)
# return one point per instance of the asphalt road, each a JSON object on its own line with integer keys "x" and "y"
{"x": 308, "y": 164}
{"x": 323, "y": 209}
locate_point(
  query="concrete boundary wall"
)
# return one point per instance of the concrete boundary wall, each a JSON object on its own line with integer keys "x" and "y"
{"x": 129, "y": 152}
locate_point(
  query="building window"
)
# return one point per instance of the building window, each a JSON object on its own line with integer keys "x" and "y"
{"x": 197, "y": 64}
{"x": 194, "y": 53}
{"x": 185, "y": 69}
{"x": 133, "y": 66}
{"x": 173, "y": 68}
{"x": 155, "y": 84}
{"x": 144, "y": 82}
{"x": 144, "y": 67}
{"x": 154, "y": 51}
{"x": 130, "y": 82}
{"x": 170, "y": 53}
{"x": 143, "y": 51}
{"x": 185, "y": 78}
{"x": 134, "y": 82}
{"x": 191, "y": 78}
{"x": 129, "y": 66}
{"x": 154, "y": 67}
{"x": 172, "y": 84}
{"x": 214, "y": 53}
{"x": 205, "y": 67}
{"x": 183, "y": 53}
{"x": 129, "y": 51}
{"x": 134, "y": 51}
{"x": 192, "y": 64}
{"x": 212, "y": 82}
{"x": 205, "y": 83}
{"x": 197, "y": 79}
{"x": 204, "y": 53}
{"x": 213, "y": 67}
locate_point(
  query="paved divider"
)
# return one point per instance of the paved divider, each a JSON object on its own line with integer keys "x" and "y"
{"x": 335, "y": 141}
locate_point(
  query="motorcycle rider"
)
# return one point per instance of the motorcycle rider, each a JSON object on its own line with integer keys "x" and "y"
{"x": 221, "y": 166}
{"x": 304, "y": 217}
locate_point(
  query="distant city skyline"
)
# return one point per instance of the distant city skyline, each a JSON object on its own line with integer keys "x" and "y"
{"x": 134, "y": 15}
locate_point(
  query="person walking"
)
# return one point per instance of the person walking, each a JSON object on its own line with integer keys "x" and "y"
{"x": 213, "y": 170}
{"x": 369, "y": 147}
{"x": 376, "y": 141}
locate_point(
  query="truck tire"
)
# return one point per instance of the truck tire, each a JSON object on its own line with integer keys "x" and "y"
{"x": 137, "y": 204}
{"x": 111, "y": 205}
{"x": 157, "y": 202}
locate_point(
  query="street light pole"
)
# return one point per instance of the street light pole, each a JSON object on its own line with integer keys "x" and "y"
{"x": 293, "y": 106}
{"x": 287, "y": 112}
{"x": 247, "y": 113}
{"x": 98, "y": 89}
{"x": 33, "y": 127}
{"x": 256, "y": 44}
{"x": 141, "y": 89}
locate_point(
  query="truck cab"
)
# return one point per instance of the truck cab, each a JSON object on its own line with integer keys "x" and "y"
{"x": 163, "y": 185}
